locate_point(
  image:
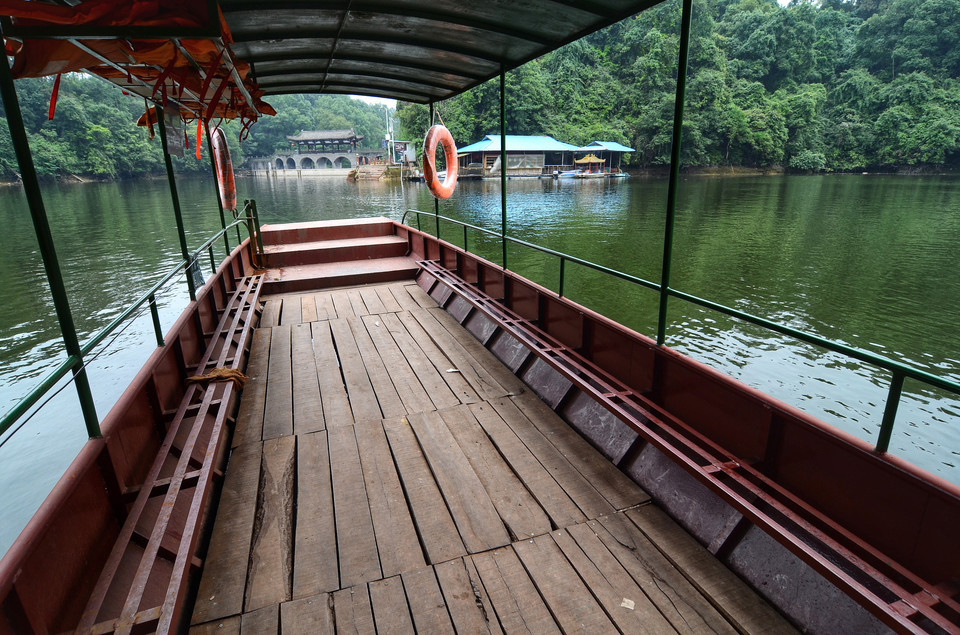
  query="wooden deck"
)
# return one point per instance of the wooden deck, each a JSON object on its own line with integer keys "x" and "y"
{"x": 389, "y": 474}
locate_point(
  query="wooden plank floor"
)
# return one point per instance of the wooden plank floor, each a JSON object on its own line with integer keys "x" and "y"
{"x": 390, "y": 475}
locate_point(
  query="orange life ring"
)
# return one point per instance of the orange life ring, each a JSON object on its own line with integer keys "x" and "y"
{"x": 435, "y": 135}
{"x": 224, "y": 166}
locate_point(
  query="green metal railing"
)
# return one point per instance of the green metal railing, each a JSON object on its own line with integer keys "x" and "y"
{"x": 75, "y": 363}
{"x": 898, "y": 370}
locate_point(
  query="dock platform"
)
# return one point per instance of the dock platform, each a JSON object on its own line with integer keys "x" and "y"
{"x": 388, "y": 474}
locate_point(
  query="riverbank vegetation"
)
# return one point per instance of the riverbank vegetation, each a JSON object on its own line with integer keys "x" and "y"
{"x": 94, "y": 134}
{"x": 871, "y": 84}
{"x": 834, "y": 85}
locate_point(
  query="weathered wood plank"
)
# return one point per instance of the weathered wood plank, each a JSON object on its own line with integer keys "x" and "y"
{"x": 613, "y": 485}
{"x": 408, "y": 387}
{"x": 308, "y": 309}
{"x": 278, "y": 412}
{"x": 503, "y": 376}
{"x": 271, "y": 554}
{"x": 307, "y": 616}
{"x": 363, "y": 399}
{"x": 430, "y": 378}
{"x": 472, "y": 369}
{"x": 548, "y": 493}
{"x": 397, "y": 540}
{"x": 679, "y": 602}
{"x": 356, "y": 300}
{"x": 291, "y": 312}
{"x": 225, "y": 570}
{"x": 307, "y": 406}
{"x": 325, "y": 308}
{"x": 390, "y": 402}
{"x": 624, "y": 601}
{"x": 356, "y": 543}
{"x": 587, "y": 498}
{"x": 517, "y": 507}
{"x": 249, "y": 428}
{"x": 467, "y": 602}
{"x": 352, "y": 611}
{"x": 341, "y": 301}
{"x": 390, "y": 610}
{"x": 436, "y": 528}
{"x": 513, "y": 595}
{"x": 447, "y": 370}
{"x": 419, "y": 295}
{"x": 402, "y": 297}
{"x": 473, "y": 512}
{"x": 387, "y": 298}
{"x": 265, "y": 620}
{"x": 336, "y": 404}
{"x": 229, "y": 626}
{"x": 570, "y": 601}
{"x": 372, "y": 300}
{"x": 270, "y": 316}
{"x": 426, "y": 602}
{"x": 748, "y": 612}
{"x": 315, "y": 569}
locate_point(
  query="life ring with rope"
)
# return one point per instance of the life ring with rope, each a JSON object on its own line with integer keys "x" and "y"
{"x": 439, "y": 134}
{"x": 224, "y": 167}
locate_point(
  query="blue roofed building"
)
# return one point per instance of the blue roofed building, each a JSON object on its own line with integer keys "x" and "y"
{"x": 527, "y": 155}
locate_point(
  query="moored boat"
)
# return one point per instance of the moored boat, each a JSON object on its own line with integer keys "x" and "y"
{"x": 438, "y": 442}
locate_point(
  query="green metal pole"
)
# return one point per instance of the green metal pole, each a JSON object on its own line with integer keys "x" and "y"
{"x": 503, "y": 165}
{"x": 171, "y": 179}
{"x": 436, "y": 201}
{"x": 213, "y": 166}
{"x": 48, "y": 252}
{"x": 890, "y": 411}
{"x": 674, "y": 170}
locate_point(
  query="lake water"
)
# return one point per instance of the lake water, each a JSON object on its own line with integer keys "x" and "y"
{"x": 868, "y": 260}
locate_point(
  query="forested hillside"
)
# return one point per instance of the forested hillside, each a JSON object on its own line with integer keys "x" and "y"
{"x": 836, "y": 86}
{"x": 871, "y": 84}
{"x": 94, "y": 131}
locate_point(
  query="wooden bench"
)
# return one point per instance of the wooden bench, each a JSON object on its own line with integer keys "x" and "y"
{"x": 143, "y": 584}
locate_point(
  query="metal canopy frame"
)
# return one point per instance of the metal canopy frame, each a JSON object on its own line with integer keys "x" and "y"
{"x": 407, "y": 49}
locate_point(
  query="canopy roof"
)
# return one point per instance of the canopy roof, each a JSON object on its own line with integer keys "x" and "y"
{"x": 589, "y": 159}
{"x": 609, "y": 146}
{"x": 518, "y": 143}
{"x": 402, "y": 49}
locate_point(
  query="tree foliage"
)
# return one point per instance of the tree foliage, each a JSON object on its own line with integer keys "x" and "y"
{"x": 828, "y": 85}
{"x": 834, "y": 85}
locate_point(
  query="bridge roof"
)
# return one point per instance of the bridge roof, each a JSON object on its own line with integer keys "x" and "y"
{"x": 327, "y": 136}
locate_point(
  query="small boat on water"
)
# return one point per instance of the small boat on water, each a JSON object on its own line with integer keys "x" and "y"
{"x": 358, "y": 425}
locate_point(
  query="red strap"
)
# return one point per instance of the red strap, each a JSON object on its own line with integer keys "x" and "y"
{"x": 199, "y": 128}
{"x": 53, "y": 97}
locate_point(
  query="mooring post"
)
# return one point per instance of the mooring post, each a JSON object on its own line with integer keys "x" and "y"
{"x": 674, "y": 170}
{"x": 48, "y": 253}
{"x": 171, "y": 179}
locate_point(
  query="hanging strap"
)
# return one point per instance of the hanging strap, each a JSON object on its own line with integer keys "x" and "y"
{"x": 53, "y": 97}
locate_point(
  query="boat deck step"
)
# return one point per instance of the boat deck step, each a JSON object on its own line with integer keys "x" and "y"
{"x": 292, "y": 233}
{"x": 338, "y": 274}
{"x": 335, "y": 250}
